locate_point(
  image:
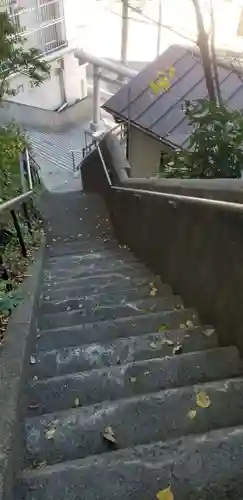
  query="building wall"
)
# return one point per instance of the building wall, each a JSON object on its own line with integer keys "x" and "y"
{"x": 144, "y": 154}
{"x": 50, "y": 95}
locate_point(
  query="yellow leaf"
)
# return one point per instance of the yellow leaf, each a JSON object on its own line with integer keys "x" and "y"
{"x": 163, "y": 328}
{"x": 171, "y": 72}
{"x": 163, "y": 83}
{"x": 133, "y": 379}
{"x": 192, "y": 414}
{"x": 153, "y": 292}
{"x": 155, "y": 87}
{"x": 203, "y": 400}
{"x": 165, "y": 494}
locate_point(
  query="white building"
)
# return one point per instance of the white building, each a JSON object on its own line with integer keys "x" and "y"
{"x": 51, "y": 26}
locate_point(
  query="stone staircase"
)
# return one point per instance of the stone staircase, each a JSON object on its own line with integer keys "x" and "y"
{"x": 128, "y": 394}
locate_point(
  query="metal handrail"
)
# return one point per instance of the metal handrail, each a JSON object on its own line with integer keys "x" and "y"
{"x": 15, "y": 202}
{"x": 171, "y": 197}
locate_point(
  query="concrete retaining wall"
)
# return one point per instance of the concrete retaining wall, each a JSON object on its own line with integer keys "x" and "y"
{"x": 197, "y": 249}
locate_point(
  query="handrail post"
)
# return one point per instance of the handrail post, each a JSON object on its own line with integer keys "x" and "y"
{"x": 73, "y": 161}
{"x": 19, "y": 234}
{"x": 28, "y": 169}
{"x": 26, "y": 214}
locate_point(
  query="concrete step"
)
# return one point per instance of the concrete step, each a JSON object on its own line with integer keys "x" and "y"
{"x": 89, "y": 269}
{"x": 120, "y": 351}
{"x": 198, "y": 467}
{"x": 131, "y": 275}
{"x": 96, "y": 244}
{"x": 86, "y": 313}
{"x": 102, "y": 286}
{"x": 141, "y": 377}
{"x": 113, "y": 329}
{"x": 62, "y": 303}
{"x": 77, "y": 433}
{"x": 72, "y": 261}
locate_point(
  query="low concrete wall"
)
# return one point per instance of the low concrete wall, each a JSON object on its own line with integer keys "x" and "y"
{"x": 197, "y": 249}
{"x": 38, "y": 118}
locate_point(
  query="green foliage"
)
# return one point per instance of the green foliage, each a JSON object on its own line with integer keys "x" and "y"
{"x": 15, "y": 58}
{"x": 215, "y": 144}
{"x": 8, "y": 299}
{"x": 12, "y": 141}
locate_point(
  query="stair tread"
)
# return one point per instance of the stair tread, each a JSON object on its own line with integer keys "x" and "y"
{"x": 104, "y": 288}
{"x": 137, "y": 420}
{"x": 119, "y": 327}
{"x": 120, "y": 351}
{"x": 50, "y": 304}
{"x": 128, "y": 276}
{"x": 100, "y": 312}
{"x": 197, "y": 467}
{"x": 141, "y": 377}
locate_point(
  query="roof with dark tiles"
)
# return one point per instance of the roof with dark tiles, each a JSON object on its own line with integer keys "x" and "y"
{"x": 161, "y": 114}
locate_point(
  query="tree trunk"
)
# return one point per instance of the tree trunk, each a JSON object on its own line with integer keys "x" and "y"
{"x": 203, "y": 45}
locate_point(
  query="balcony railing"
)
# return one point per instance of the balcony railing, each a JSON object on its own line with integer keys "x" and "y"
{"x": 43, "y": 25}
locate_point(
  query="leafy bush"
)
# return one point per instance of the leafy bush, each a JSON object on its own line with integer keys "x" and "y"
{"x": 9, "y": 299}
{"x": 214, "y": 147}
{"x": 12, "y": 141}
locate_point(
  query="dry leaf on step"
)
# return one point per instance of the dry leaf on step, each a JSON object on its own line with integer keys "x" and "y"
{"x": 189, "y": 324}
{"x": 192, "y": 414}
{"x": 109, "y": 435}
{"x": 34, "y": 406}
{"x": 165, "y": 494}
{"x": 177, "y": 350}
{"x": 153, "y": 345}
{"x": 76, "y": 402}
{"x": 163, "y": 328}
{"x": 203, "y": 400}
{"x": 50, "y": 434}
{"x": 208, "y": 332}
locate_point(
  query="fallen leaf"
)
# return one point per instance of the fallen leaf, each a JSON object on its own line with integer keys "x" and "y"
{"x": 34, "y": 406}
{"x": 203, "y": 400}
{"x": 182, "y": 326}
{"x": 192, "y": 414}
{"x": 168, "y": 342}
{"x": 133, "y": 379}
{"x": 153, "y": 345}
{"x": 177, "y": 350}
{"x": 133, "y": 306}
{"x": 165, "y": 494}
{"x": 109, "y": 434}
{"x": 208, "y": 332}
{"x": 153, "y": 292}
{"x": 32, "y": 360}
{"x": 50, "y": 434}
{"x": 76, "y": 402}
{"x": 163, "y": 328}
{"x": 189, "y": 324}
